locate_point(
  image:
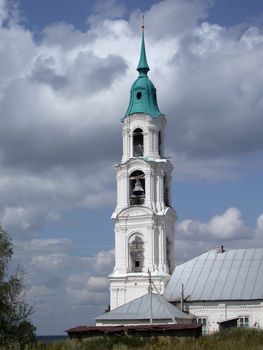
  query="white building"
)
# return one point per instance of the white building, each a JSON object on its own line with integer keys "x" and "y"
{"x": 219, "y": 286}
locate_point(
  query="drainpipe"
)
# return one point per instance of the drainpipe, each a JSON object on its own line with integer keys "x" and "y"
{"x": 182, "y": 298}
{"x": 151, "y": 302}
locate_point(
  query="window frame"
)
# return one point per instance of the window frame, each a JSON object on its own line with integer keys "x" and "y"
{"x": 136, "y": 253}
{"x": 244, "y": 323}
{"x": 200, "y": 320}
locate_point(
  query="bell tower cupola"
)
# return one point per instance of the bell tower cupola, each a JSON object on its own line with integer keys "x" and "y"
{"x": 143, "y": 93}
{"x": 144, "y": 218}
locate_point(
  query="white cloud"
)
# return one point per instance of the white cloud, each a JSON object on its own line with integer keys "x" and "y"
{"x": 82, "y": 288}
{"x": 252, "y": 38}
{"x": 181, "y": 16}
{"x": 3, "y": 11}
{"x": 260, "y": 224}
{"x": 227, "y": 226}
{"x": 51, "y": 245}
{"x": 37, "y": 293}
{"x": 19, "y": 218}
{"x": 84, "y": 296}
{"x": 50, "y": 262}
{"x": 106, "y": 9}
{"x": 193, "y": 237}
{"x": 58, "y": 282}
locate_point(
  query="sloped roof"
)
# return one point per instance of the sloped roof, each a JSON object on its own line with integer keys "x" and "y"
{"x": 231, "y": 275}
{"x": 139, "y": 309}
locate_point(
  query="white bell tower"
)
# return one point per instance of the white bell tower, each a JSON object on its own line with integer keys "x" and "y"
{"x": 144, "y": 219}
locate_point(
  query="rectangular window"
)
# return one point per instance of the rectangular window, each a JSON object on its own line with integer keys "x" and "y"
{"x": 203, "y": 321}
{"x": 243, "y": 322}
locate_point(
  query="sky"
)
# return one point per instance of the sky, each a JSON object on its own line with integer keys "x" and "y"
{"x": 66, "y": 70}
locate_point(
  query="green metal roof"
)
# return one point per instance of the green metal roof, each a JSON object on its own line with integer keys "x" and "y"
{"x": 143, "y": 93}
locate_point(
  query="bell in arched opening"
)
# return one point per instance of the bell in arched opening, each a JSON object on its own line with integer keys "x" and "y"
{"x": 137, "y": 188}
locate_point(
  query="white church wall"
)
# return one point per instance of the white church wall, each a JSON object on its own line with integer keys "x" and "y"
{"x": 219, "y": 311}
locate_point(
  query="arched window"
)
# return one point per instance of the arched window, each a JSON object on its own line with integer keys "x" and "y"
{"x": 136, "y": 253}
{"x": 137, "y": 187}
{"x": 137, "y": 143}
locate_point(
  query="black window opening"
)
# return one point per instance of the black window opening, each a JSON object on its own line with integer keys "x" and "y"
{"x": 136, "y": 254}
{"x": 137, "y": 143}
{"x": 160, "y": 143}
{"x": 139, "y": 95}
{"x": 168, "y": 254}
{"x": 166, "y": 191}
{"x": 137, "y": 188}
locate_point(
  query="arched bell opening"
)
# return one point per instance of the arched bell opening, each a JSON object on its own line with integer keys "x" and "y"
{"x": 138, "y": 143}
{"x": 136, "y": 253}
{"x": 137, "y": 187}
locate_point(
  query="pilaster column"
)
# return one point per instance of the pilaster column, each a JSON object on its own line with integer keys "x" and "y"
{"x": 146, "y": 138}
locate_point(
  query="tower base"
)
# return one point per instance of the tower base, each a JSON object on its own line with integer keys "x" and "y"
{"x": 125, "y": 288}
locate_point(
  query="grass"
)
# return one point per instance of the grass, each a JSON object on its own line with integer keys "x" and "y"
{"x": 236, "y": 339}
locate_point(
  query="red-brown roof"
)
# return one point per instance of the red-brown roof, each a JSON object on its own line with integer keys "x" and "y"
{"x": 89, "y": 330}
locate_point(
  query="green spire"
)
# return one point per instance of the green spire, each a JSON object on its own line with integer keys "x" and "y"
{"x": 143, "y": 67}
{"x": 143, "y": 93}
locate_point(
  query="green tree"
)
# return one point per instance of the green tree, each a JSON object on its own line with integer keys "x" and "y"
{"x": 15, "y": 324}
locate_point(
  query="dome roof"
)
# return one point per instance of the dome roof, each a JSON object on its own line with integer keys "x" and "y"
{"x": 143, "y": 93}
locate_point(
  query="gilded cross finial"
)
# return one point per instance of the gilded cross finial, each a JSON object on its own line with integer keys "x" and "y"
{"x": 143, "y": 67}
{"x": 142, "y": 22}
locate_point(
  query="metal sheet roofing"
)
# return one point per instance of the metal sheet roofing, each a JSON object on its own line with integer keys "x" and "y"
{"x": 231, "y": 275}
{"x": 139, "y": 309}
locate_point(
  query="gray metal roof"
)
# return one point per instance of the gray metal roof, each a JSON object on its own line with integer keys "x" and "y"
{"x": 139, "y": 309}
{"x": 232, "y": 275}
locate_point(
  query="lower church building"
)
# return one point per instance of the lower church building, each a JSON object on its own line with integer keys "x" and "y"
{"x": 221, "y": 286}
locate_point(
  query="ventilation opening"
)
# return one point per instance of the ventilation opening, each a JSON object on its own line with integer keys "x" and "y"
{"x": 139, "y": 95}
